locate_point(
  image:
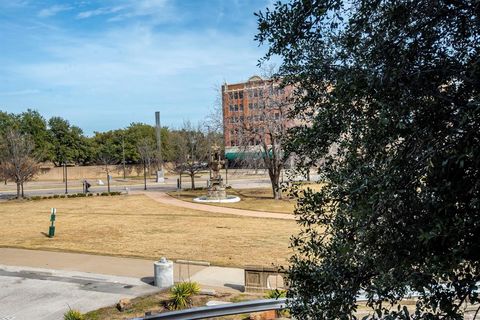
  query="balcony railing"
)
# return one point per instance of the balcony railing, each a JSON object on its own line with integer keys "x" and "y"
{"x": 220, "y": 310}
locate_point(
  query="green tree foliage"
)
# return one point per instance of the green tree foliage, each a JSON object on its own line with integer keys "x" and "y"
{"x": 33, "y": 124}
{"x": 394, "y": 85}
{"x": 30, "y": 123}
{"x": 69, "y": 143}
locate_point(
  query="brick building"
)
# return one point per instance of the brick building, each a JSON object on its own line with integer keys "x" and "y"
{"x": 252, "y": 109}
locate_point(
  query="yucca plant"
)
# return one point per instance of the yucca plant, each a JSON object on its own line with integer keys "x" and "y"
{"x": 180, "y": 294}
{"x": 276, "y": 294}
{"x": 73, "y": 315}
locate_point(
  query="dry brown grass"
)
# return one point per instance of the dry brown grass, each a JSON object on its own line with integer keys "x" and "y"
{"x": 138, "y": 226}
{"x": 258, "y": 199}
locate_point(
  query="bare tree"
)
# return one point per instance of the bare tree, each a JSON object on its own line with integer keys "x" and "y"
{"x": 191, "y": 151}
{"x": 260, "y": 132}
{"x": 106, "y": 158}
{"x": 146, "y": 150}
{"x": 18, "y": 162}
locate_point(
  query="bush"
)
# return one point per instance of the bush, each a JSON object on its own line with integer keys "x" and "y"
{"x": 73, "y": 315}
{"x": 35, "y": 198}
{"x": 89, "y": 194}
{"x": 180, "y": 294}
{"x": 81, "y": 195}
{"x": 104, "y": 194}
{"x": 56, "y": 196}
{"x": 276, "y": 293}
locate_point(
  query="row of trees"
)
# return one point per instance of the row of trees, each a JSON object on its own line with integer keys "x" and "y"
{"x": 27, "y": 140}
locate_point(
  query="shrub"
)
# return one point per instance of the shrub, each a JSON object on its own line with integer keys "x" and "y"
{"x": 73, "y": 315}
{"x": 104, "y": 194}
{"x": 276, "y": 293}
{"x": 180, "y": 294}
{"x": 35, "y": 198}
{"x": 81, "y": 195}
{"x": 56, "y": 196}
{"x": 89, "y": 194}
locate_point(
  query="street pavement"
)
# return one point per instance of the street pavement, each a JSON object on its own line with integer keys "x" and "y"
{"x": 151, "y": 186}
{"x": 37, "y": 284}
{"x": 46, "y": 294}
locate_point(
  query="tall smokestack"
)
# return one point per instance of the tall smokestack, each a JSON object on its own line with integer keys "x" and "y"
{"x": 158, "y": 131}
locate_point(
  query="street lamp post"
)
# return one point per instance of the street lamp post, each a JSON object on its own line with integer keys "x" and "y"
{"x": 66, "y": 177}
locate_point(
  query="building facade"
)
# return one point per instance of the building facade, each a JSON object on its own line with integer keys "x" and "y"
{"x": 254, "y": 112}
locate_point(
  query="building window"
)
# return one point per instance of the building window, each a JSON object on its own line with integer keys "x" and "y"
{"x": 241, "y": 107}
{"x": 235, "y": 95}
{"x": 236, "y": 107}
{"x": 255, "y": 92}
{"x": 230, "y": 95}
{"x": 240, "y": 94}
{"x": 250, "y": 93}
{"x": 250, "y": 105}
{"x": 231, "y": 107}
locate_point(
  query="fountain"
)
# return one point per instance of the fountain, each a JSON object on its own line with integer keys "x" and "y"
{"x": 216, "y": 190}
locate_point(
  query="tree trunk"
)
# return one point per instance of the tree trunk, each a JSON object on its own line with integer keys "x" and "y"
{"x": 274, "y": 179}
{"x": 21, "y": 185}
{"x": 144, "y": 176}
{"x": 18, "y": 190}
{"x": 192, "y": 177}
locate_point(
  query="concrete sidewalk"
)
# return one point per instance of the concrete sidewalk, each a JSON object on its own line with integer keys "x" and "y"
{"x": 208, "y": 276}
{"x": 44, "y": 284}
{"x": 33, "y": 293}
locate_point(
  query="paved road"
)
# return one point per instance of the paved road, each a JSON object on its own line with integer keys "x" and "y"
{"x": 45, "y": 294}
{"x": 42, "y": 285}
{"x": 168, "y": 186}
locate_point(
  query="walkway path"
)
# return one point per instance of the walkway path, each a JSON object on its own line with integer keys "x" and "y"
{"x": 220, "y": 277}
{"x": 44, "y": 284}
{"x": 164, "y": 198}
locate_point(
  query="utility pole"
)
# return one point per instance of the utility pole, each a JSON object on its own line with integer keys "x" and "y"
{"x": 66, "y": 177}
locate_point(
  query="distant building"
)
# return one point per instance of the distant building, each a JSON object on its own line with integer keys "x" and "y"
{"x": 250, "y": 108}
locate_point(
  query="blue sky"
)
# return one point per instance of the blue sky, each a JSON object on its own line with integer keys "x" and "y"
{"x": 105, "y": 64}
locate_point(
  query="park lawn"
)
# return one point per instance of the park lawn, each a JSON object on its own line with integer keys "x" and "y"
{"x": 136, "y": 226}
{"x": 258, "y": 199}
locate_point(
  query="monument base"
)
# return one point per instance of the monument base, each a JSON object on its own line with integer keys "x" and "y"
{"x": 160, "y": 177}
{"x": 227, "y": 199}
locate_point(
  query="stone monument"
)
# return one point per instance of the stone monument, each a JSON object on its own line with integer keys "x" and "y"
{"x": 216, "y": 189}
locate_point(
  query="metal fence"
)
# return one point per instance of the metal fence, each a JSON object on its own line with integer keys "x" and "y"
{"x": 220, "y": 310}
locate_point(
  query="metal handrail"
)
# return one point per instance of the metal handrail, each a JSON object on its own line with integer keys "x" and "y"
{"x": 220, "y": 310}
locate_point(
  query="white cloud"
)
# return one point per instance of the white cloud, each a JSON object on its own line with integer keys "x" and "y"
{"x": 99, "y": 12}
{"x": 19, "y": 92}
{"x": 53, "y": 10}
{"x": 137, "y": 57}
{"x": 156, "y": 9}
